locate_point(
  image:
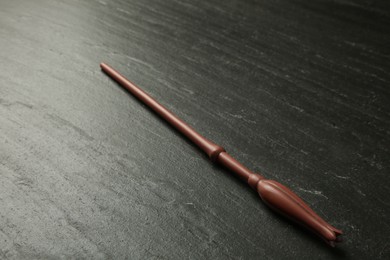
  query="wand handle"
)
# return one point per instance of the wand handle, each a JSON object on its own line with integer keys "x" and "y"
{"x": 275, "y": 195}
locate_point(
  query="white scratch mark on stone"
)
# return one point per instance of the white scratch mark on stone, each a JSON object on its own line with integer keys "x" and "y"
{"x": 342, "y": 177}
{"x": 242, "y": 117}
{"x": 123, "y": 11}
{"x": 361, "y": 193}
{"x": 315, "y": 192}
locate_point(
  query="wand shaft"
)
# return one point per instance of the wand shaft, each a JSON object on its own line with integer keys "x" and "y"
{"x": 214, "y": 151}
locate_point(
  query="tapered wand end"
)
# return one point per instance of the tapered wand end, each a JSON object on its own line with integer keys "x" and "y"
{"x": 284, "y": 201}
{"x": 103, "y": 66}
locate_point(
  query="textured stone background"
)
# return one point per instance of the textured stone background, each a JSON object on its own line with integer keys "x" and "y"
{"x": 297, "y": 90}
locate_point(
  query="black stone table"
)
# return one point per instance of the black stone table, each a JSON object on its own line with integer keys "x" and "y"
{"x": 297, "y": 90}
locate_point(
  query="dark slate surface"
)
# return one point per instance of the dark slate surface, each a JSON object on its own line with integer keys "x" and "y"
{"x": 297, "y": 90}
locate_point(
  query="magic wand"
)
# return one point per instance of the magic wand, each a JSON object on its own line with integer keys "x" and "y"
{"x": 275, "y": 195}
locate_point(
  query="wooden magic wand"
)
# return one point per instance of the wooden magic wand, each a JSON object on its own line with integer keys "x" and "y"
{"x": 275, "y": 195}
